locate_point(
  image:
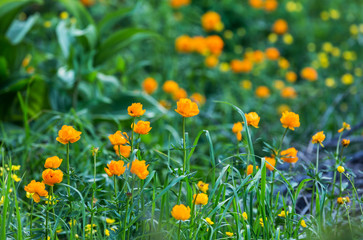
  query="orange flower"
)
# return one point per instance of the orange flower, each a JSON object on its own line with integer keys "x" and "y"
{"x": 200, "y": 45}
{"x": 289, "y": 155}
{"x": 270, "y": 163}
{"x": 180, "y": 93}
{"x": 262, "y": 92}
{"x": 37, "y": 189}
{"x": 211, "y": 21}
{"x": 124, "y": 149}
{"x": 288, "y": 92}
{"x": 115, "y": 168}
{"x": 256, "y": 3}
{"x": 68, "y": 135}
{"x": 165, "y": 104}
{"x": 170, "y": 86}
{"x": 149, "y": 85}
{"x": 51, "y": 177}
{"x": 258, "y": 56}
{"x": 280, "y": 26}
{"x": 290, "y": 120}
{"x": 184, "y": 44}
{"x": 88, "y": 3}
{"x": 53, "y": 162}
{"x": 200, "y": 199}
{"x": 198, "y": 98}
{"x": 241, "y": 66}
{"x": 237, "y": 127}
{"x": 346, "y": 126}
{"x": 139, "y": 168}
{"x": 118, "y": 138}
{"x": 250, "y": 169}
{"x": 272, "y": 53}
{"x": 340, "y": 200}
{"x": 135, "y": 110}
{"x": 187, "y": 108}
{"x": 271, "y": 5}
{"x": 179, "y": 3}
{"x": 180, "y": 212}
{"x": 211, "y": 61}
{"x": 252, "y": 119}
{"x": 345, "y": 142}
{"x": 309, "y": 73}
{"x": 319, "y": 138}
{"x": 284, "y": 63}
{"x": 203, "y": 186}
{"x": 215, "y": 44}
{"x": 141, "y": 127}
{"x": 291, "y": 77}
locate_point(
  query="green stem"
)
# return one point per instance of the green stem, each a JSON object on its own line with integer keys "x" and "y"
{"x": 179, "y": 230}
{"x": 272, "y": 187}
{"x": 125, "y": 220}
{"x": 93, "y": 191}
{"x": 282, "y": 139}
{"x": 316, "y": 175}
{"x": 335, "y": 173}
{"x": 132, "y": 136}
{"x": 47, "y": 220}
{"x": 68, "y": 189}
{"x": 31, "y": 218}
{"x": 184, "y": 149}
{"x": 356, "y": 193}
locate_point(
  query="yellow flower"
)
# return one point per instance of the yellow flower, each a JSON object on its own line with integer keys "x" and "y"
{"x": 345, "y": 142}
{"x": 250, "y": 169}
{"x": 139, "y": 168}
{"x": 246, "y": 84}
{"x": 47, "y": 24}
{"x": 187, "y": 108}
{"x": 283, "y": 214}
{"x": 179, "y": 94}
{"x": 209, "y": 221}
{"x": 237, "y": 127}
{"x": 63, "y": 15}
{"x": 15, "y": 177}
{"x": 184, "y": 44}
{"x": 149, "y": 85}
{"x": 141, "y": 127}
{"x": 37, "y": 189}
{"x": 15, "y": 167}
{"x": 303, "y": 224}
{"x": 72, "y": 222}
{"x": 135, "y": 110}
{"x": 68, "y": 134}
{"x": 53, "y": 162}
{"x": 272, "y": 53}
{"x": 200, "y": 199}
{"x": 288, "y": 92}
{"x": 181, "y": 212}
{"x": 51, "y": 177}
{"x": 347, "y": 79}
{"x": 290, "y": 120}
{"x": 289, "y": 155}
{"x": 245, "y": 216}
{"x": 340, "y": 200}
{"x": 107, "y": 232}
{"x": 2, "y": 200}
{"x": 203, "y": 186}
{"x": 261, "y": 222}
{"x": 211, "y": 61}
{"x": 340, "y": 169}
{"x": 118, "y": 138}
{"x": 279, "y": 84}
{"x": 319, "y": 137}
{"x": 346, "y": 126}
{"x": 229, "y": 234}
{"x": 252, "y": 119}
{"x": 115, "y": 168}
{"x": 110, "y": 221}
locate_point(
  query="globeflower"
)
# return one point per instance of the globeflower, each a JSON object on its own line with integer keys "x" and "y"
{"x": 262, "y": 92}
{"x": 149, "y": 85}
{"x": 283, "y": 214}
{"x": 51, "y": 177}
{"x": 272, "y": 53}
{"x": 250, "y": 169}
{"x": 345, "y": 142}
{"x": 139, "y": 168}
{"x": 270, "y": 5}
{"x": 211, "y": 21}
{"x": 229, "y": 234}
{"x": 211, "y": 61}
{"x": 252, "y": 119}
{"x": 141, "y": 127}
{"x": 68, "y": 134}
{"x": 53, "y": 162}
{"x": 36, "y": 189}
{"x": 115, "y": 168}
{"x": 290, "y": 120}
{"x": 241, "y": 66}
{"x": 118, "y": 138}
{"x": 179, "y": 94}
{"x": 346, "y": 126}
{"x": 203, "y": 186}
{"x": 270, "y": 163}
{"x": 340, "y": 169}
{"x": 198, "y": 98}
{"x": 256, "y": 3}
{"x": 280, "y": 27}
{"x": 309, "y": 74}
{"x": 135, "y": 110}
{"x": 291, "y": 76}
{"x": 179, "y": 3}
{"x": 184, "y": 44}
{"x": 319, "y": 138}
{"x": 170, "y": 86}
{"x": 124, "y": 149}
{"x": 215, "y": 44}
{"x": 187, "y": 108}
{"x": 289, "y": 155}
{"x": 181, "y": 212}
{"x": 303, "y": 224}
{"x": 208, "y": 220}
{"x": 200, "y": 199}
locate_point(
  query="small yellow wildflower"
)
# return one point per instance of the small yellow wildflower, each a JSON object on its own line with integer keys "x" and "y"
{"x": 245, "y": 216}
{"x": 283, "y": 214}
{"x": 340, "y": 169}
{"x": 303, "y": 224}
{"x": 229, "y": 234}
{"x": 110, "y": 221}
{"x": 209, "y": 221}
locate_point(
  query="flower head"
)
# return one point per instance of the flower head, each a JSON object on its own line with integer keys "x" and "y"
{"x": 125, "y": 150}
{"x": 345, "y": 142}
{"x": 250, "y": 169}
{"x": 139, "y": 168}
{"x": 283, "y": 213}
{"x": 241, "y": 66}
{"x": 303, "y": 224}
{"x": 149, "y": 85}
{"x": 252, "y": 119}
{"x": 200, "y": 199}
{"x": 198, "y": 98}
{"x": 280, "y": 26}
{"x": 309, "y": 74}
{"x": 215, "y": 44}
{"x": 245, "y": 216}
{"x": 51, "y": 177}
{"x": 346, "y": 126}
{"x": 187, "y": 108}
{"x": 53, "y": 162}
{"x": 291, "y": 77}
{"x": 289, "y": 155}
{"x": 115, "y": 168}
{"x": 170, "y": 86}
{"x": 68, "y": 134}
{"x": 318, "y": 138}
{"x": 36, "y": 189}
{"x": 118, "y": 138}
{"x": 262, "y": 92}
{"x": 270, "y": 163}
{"x": 179, "y": 94}
{"x": 179, "y": 3}
{"x": 272, "y": 53}
{"x": 181, "y": 212}
{"x": 290, "y": 120}
{"x": 141, "y": 127}
{"x": 340, "y": 169}
{"x": 209, "y": 221}
{"x": 184, "y": 44}
{"x": 135, "y": 110}
{"x": 211, "y": 21}
{"x": 203, "y": 186}
{"x": 229, "y": 234}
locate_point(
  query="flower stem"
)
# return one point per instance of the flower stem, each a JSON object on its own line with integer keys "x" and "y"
{"x": 316, "y": 175}
{"x": 179, "y": 230}
{"x": 93, "y": 191}
{"x": 31, "y": 218}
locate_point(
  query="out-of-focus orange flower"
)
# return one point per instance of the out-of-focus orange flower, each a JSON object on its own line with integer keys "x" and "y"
{"x": 278, "y": 84}
{"x": 170, "y": 86}
{"x": 37, "y": 189}
{"x": 345, "y": 142}
{"x": 118, "y": 138}
{"x": 272, "y": 53}
{"x": 280, "y": 26}
{"x": 149, "y": 85}
{"x": 200, "y": 45}
{"x": 187, "y": 108}
{"x": 51, "y": 177}
{"x": 283, "y": 108}
{"x": 252, "y": 119}
{"x": 26, "y": 61}
{"x": 179, "y": 3}
{"x": 179, "y": 94}
{"x": 211, "y": 61}
{"x": 200, "y": 199}
{"x": 53, "y": 162}
{"x": 346, "y": 126}
{"x": 135, "y": 110}
{"x": 142, "y": 127}
{"x": 215, "y": 44}
{"x": 319, "y": 137}
{"x": 68, "y": 134}
{"x": 139, "y": 168}
{"x": 203, "y": 186}
{"x": 262, "y": 92}
{"x": 184, "y": 44}
{"x": 124, "y": 149}
{"x": 289, "y": 155}
{"x": 237, "y": 129}
{"x": 88, "y": 3}
{"x": 258, "y": 56}
{"x": 198, "y": 98}
{"x": 340, "y": 200}
{"x": 241, "y": 66}
{"x": 270, "y": 163}
{"x": 290, "y": 120}
{"x": 250, "y": 169}
{"x": 288, "y": 92}
{"x": 284, "y": 63}
{"x": 211, "y": 21}
{"x": 115, "y": 168}
{"x": 291, "y": 76}
{"x": 180, "y": 212}
{"x": 256, "y": 3}
{"x": 165, "y": 104}
{"x": 271, "y": 5}
{"x": 309, "y": 73}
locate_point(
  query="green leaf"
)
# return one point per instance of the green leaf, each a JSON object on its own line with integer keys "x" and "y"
{"x": 19, "y": 29}
{"x": 110, "y": 19}
{"x": 79, "y": 12}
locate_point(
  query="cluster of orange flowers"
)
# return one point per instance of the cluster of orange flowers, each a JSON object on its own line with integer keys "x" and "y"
{"x": 267, "y": 5}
